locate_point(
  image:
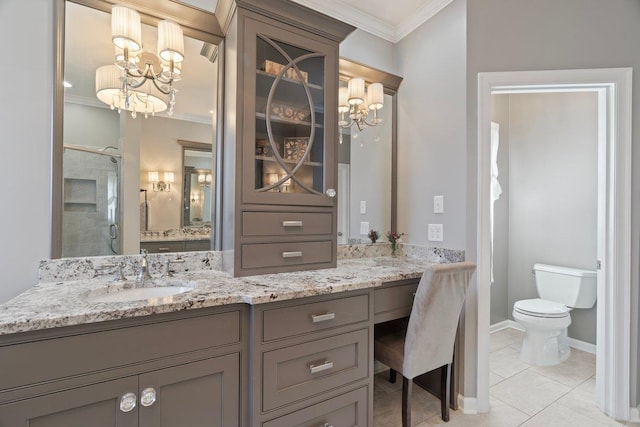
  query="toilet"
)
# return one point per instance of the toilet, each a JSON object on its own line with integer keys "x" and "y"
{"x": 546, "y": 319}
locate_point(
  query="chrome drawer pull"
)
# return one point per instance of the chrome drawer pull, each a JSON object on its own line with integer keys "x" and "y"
{"x": 315, "y": 369}
{"x": 292, "y": 254}
{"x": 317, "y": 318}
{"x": 292, "y": 223}
{"x": 327, "y": 425}
{"x": 164, "y": 249}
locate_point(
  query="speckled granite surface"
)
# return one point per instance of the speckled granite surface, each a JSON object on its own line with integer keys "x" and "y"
{"x": 176, "y": 234}
{"x": 72, "y": 302}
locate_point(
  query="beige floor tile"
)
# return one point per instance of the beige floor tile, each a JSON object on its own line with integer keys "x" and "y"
{"x": 581, "y": 400}
{"x": 504, "y": 338}
{"x": 558, "y": 415}
{"x": 494, "y": 379}
{"x": 574, "y": 371}
{"x": 529, "y": 392}
{"x": 505, "y": 362}
{"x": 501, "y": 415}
{"x": 387, "y": 408}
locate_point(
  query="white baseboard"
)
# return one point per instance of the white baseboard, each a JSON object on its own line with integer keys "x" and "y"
{"x": 468, "y": 405}
{"x": 574, "y": 343}
{"x": 634, "y": 415}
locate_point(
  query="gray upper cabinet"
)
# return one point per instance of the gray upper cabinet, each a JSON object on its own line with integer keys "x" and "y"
{"x": 279, "y": 175}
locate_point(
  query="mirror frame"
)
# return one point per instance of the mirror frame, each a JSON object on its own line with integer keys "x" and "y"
{"x": 196, "y": 146}
{"x": 195, "y": 23}
{"x": 391, "y": 83}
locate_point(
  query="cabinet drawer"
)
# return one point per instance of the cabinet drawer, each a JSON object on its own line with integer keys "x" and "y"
{"x": 393, "y": 302}
{"x": 347, "y": 410}
{"x": 304, "y": 318}
{"x": 286, "y": 254}
{"x": 197, "y": 245}
{"x": 158, "y": 247}
{"x": 81, "y": 354}
{"x": 298, "y": 372}
{"x": 286, "y": 223}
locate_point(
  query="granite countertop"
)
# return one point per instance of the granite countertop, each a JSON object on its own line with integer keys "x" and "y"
{"x": 53, "y": 304}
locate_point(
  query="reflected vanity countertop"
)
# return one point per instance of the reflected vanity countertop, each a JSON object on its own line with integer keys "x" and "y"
{"x": 176, "y": 234}
{"x": 64, "y": 303}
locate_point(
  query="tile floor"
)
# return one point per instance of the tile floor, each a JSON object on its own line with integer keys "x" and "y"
{"x": 521, "y": 395}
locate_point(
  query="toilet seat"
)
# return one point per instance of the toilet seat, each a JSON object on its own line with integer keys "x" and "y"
{"x": 538, "y": 307}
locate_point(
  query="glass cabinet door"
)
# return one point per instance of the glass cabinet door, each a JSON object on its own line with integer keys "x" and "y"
{"x": 292, "y": 156}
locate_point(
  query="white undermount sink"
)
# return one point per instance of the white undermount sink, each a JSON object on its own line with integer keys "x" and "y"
{"x": 155, "y": 294}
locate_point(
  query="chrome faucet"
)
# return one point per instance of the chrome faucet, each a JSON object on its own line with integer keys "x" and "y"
{"x": 143, "y": 274}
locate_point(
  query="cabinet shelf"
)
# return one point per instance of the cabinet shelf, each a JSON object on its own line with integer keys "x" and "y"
{"x": 268, "y": 78}
{"x": 292, "y": 162}
{"x": 263, "y": 116}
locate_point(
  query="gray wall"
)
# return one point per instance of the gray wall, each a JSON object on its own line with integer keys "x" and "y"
{"x": 553, "y": 197}
{"x": 431, "y": 127}
{"x": 26, "y": 141}
{"x": 365, "y": 48}
{"x": 512, "y": 35}
{"x": 499, "y": 288}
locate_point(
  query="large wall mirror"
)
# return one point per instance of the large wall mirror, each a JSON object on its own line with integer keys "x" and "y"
{"x": 128, "y": 164}
{"x": 367, "y": 161}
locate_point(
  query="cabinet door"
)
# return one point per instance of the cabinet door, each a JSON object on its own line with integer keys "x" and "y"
{"x": 290, "y": 127}
{"x": 97, "y": 405}
{"x": 198, "y": 394}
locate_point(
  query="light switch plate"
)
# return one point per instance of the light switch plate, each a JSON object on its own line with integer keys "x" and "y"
{"x": 438, "y": 204}
{"x": 364, "y": 227}
{"x": 363, "y": 207}
{"x": 435, "y": 233}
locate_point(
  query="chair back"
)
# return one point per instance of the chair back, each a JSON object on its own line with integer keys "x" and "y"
{"x": 434, "y": 317}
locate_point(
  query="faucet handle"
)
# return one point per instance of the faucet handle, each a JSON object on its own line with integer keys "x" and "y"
{"x": 118, "y": 271}
{"x": 144, "y": 253}
{"x": 167, "y": 266}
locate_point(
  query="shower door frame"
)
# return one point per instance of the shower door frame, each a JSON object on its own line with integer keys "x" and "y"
{"x": 614, "y": 323}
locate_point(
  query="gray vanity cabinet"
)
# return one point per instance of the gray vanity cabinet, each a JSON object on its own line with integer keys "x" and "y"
{"x": 280, "y": 138}
{"x": 178, "y": 369}
{"x": 312, "y": 361}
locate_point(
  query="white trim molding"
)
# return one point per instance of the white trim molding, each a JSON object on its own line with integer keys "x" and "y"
{"x": 468, "y": 405}
{"x": 378, "y": 27}
{"x": 614, "y": 329}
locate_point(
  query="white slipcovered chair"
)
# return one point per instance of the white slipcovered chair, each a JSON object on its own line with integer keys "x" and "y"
{"x": 426, "y": 341}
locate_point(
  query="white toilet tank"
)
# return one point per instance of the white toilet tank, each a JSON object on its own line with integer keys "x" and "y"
{"x": 569, "y": 286}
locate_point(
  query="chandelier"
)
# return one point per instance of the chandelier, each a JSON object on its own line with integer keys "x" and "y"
{"x": 140, "y": 81}
{"x": 355, "y": 103}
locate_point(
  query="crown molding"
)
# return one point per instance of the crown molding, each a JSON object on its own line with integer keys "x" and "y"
{"x": 422, "y": 15}
{"x": 374, "y": 25}
{"x": 353, "y": 16}
{"x": 94, "y": 102}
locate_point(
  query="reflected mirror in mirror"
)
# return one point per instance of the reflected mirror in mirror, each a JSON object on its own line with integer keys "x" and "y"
{"x": 123, "y": 167}
{"x": 365, "y": 177}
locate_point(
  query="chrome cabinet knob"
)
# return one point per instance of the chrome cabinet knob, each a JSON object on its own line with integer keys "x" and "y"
{"x": 128, "y": 402}
{"x": 331, "y": 192}
{"x": 148, "y": 397}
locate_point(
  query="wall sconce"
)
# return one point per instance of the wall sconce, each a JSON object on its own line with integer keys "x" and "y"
{"x": 161, "y": 185}
{"x": 204, "y": 179}
{"x": 195, "y": 197}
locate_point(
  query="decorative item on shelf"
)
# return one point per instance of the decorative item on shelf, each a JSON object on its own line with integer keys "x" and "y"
{"x": 358, "y": 102}
{"x": 139, "y": 81}
{"x": 394, "y": 237}
{"x": 274, "y": 68}
{"x": 154, "y": 178}
{"x": 272, "y": 178}
{"x": 295, "y": 148}
{"x": 204, "y": 179}
{"x": 373, "y": 235}
{"x": 287, "y": 112}
{"x": 264, "y": 148}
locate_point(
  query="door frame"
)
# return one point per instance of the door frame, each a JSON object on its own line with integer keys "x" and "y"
{"x": 613, "y": 361}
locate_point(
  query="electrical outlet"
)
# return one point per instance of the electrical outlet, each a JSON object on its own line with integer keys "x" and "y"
{"x": 363, "y": 207}
{"x": 438, "y": 204}
{"x": 364, "y": 228}
{"x": 435, "y": 233}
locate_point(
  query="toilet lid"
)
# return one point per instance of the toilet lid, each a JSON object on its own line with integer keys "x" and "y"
{"x": 541, "y": 308}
